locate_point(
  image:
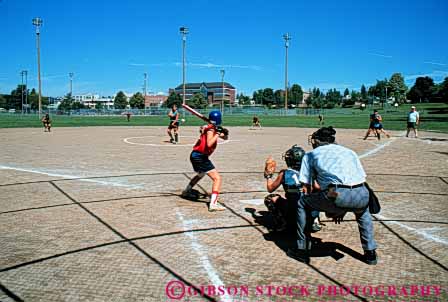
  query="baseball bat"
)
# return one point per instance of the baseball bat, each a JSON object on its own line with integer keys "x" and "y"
{"x": 194, "y": 112}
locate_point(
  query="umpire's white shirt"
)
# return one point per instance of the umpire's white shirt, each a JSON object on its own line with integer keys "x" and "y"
{"x": 332, "y": 164}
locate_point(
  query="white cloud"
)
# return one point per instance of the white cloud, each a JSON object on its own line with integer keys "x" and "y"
{"x": 379, "y": 55}
{"x": 435, "y": 63}
{"x": 211, "y": 65}
{"x": 436, "y": 75}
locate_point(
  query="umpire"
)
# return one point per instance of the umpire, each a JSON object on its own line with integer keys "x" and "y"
{"x": 341, "y": 176}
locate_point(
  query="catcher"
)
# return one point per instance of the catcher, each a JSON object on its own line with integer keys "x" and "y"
{"x": 174, "y": 124}
{"x": 204, "y": 147}
{"x": 46, "y": 121}
{"x": 284, "y": 211}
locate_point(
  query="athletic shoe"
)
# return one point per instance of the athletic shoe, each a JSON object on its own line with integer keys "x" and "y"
{"x": 171, "y": 140}
{"x": 315, "y": 227}
{"x": 190, "y": 195}
{"x": 216, "y": 207}
{"x": 299, "y": 255}
{"x": 370, "y": 257}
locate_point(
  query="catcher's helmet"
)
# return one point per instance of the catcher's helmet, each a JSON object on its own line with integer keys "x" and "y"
{"x": 293, "y": 157}
{"x": 215, "y": 117}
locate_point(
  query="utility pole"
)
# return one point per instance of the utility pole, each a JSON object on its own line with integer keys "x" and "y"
{"x": 22, "y": 73}
{"x": 184, "y": 32}
{"x": 223, "y": 72}
{"x": 145, "y": 76}
{"x": 71, "y": 74}
{"x": 286, "y": 37}
{"x": 38, "y": 23}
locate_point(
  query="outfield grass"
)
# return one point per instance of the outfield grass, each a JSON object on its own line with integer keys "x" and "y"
{"x": 434, "y": 117}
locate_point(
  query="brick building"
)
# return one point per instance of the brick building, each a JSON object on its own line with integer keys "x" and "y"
{"x": 154, "y": 100}
{"x": 212, "y": 91}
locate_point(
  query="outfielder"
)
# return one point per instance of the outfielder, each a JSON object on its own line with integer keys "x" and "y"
{"x": 199, "y": 157}
{"x": 284, "y": 211}
{"x": 174, "y": 124}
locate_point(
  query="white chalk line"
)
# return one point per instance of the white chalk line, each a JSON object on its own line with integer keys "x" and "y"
{"x": 421, "y": 232}
{"x": 74, "y": 177}
{"x": 201, "y": 252}
{"x": 380, "y": 147}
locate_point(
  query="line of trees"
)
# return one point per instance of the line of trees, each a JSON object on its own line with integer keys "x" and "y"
{"x": 423, "y": 90}
{"x": 392, "y": 89}
{"x": 14, "y": 99}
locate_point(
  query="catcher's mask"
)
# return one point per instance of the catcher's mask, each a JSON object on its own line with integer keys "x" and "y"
{"x": 323, "y": 136}
{"x": 293, "y": 157}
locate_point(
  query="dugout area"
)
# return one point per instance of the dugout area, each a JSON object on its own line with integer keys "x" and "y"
{"x": 87, "y": 216}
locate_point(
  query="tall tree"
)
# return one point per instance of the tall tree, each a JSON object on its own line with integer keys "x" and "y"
{"x": 198, "y": 101}
{"x": 173, "y": 98}
{"x": 66, "y": 103}
{"x": 363, "y": 93}
{"x": 3, "y": 102}
{"x": 346, "y": 92}
{"x": 279, "y": 98}
{"x": 33, "y": 100}
{"x": 120, "y": 101}
{"x": 296, "y": 94}
{"x": 268, "y": 96}
{"x": 442, "y": 93}
{"x": 15, "y": 99}
{"x": 423, "y": 90}
{"x": 397, "y": 88}
{"x": 137, "y": 101}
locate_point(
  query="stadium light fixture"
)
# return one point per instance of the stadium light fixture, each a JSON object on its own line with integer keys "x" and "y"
{"x": 37, "y": 22}
{"x": 286, "y": 37}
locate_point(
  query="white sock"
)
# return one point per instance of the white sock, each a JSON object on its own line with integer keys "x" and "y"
{"x": 214, "y": 198}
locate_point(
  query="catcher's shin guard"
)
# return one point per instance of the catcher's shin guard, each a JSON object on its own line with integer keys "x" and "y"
{"x": 279, "y": 221}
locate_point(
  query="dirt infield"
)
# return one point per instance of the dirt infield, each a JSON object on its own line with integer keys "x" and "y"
{"x": 94, "y": 214}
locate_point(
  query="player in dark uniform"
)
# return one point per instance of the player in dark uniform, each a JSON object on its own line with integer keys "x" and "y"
{"x": 174, "y": 125}
{"x": 46, "y": 121}
{"x": 256, "y": 122}
{"x": 376, "y": 126}
{"x": 199, "y": 157}
{"x": 284, "y": 211}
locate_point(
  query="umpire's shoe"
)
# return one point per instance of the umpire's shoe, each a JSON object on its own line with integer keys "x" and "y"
{"x": 299, "y": 255}
{"x": 370, "y": 257}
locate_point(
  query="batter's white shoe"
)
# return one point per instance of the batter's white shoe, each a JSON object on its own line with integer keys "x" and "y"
{"x": 216, "y": 207}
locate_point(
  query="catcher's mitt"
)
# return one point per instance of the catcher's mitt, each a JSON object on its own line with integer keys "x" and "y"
{"x": 269, "y": 167}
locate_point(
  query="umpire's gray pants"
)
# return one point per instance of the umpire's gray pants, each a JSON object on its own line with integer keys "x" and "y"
{"x": 349, "y": 200}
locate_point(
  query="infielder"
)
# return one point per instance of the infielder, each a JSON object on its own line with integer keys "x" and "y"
{"x": 174, "y": 125}
{"x": 413, "y": 121}
{"x": 46, "y": 121}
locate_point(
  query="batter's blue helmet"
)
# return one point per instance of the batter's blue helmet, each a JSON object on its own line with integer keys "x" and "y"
{"x": 215, "y": 117}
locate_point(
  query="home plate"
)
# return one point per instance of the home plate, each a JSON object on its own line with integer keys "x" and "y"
{"x": 255, "y": 202}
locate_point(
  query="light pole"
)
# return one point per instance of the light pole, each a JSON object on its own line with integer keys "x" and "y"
{"x": 71, "y": 74}
{"x": 38, "y": 23}
{"x": 22, "y": 73}
{"x": 184, "y": 32}
{"x": 223, "y": 72}
{"x": 287, "y": 37}
{"x": 145, "y": 78}
{"x": 26, "y": 89}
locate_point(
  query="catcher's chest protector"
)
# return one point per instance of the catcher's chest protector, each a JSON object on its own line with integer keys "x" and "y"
{"x": 291, "y": 182}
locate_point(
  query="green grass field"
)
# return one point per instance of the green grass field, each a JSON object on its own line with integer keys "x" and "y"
{"x": 434, "y": 117}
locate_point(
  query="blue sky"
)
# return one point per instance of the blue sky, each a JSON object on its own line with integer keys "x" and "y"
{"x": 108, "y": 45}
